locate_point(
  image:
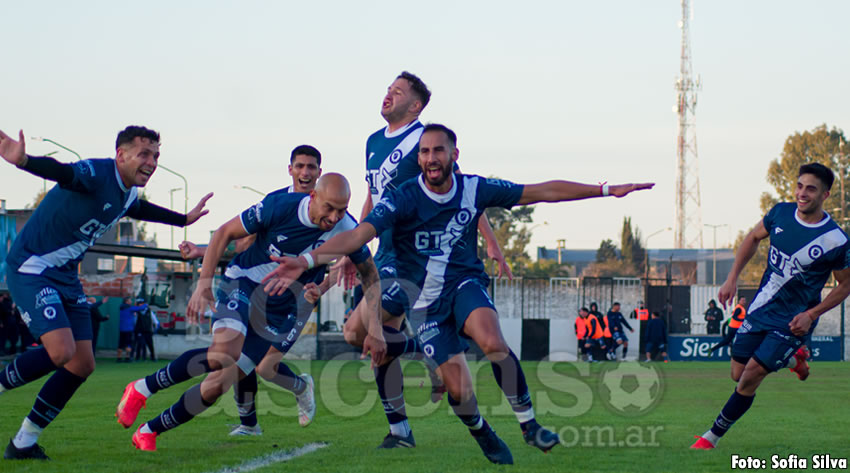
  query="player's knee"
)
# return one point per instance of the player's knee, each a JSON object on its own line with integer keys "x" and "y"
{"x": 494, "y": 346}
{"x": 85, "y": 369}
{"x": 267, "y": 371}
{"x": 60, "y": 355}
{"x": 351, "y": 335}
{"x": 220, "y": 359}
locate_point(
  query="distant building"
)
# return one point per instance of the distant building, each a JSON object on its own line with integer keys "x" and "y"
{"x": 688, "y": 266}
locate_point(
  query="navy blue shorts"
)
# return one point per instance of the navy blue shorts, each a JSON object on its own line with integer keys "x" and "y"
{"x": 397, "y": 295}
{"x": 441, "y": 333}
{"x": 125, "y": 340}
{"x": 652, "y": 347}
{"x": 770, "y": 348}
{"x": 620, "y": 335}
{"x": 241, "y": 306}
{"x": 599, "y": 342}
{"x": 47, "y": 305}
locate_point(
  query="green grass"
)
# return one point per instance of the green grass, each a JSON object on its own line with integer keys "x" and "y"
{"x": 788, "y": 417}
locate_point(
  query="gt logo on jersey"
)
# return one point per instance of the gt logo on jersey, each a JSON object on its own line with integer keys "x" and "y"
{"x": 94, "y": 229}
{"x": 379, "y": 179}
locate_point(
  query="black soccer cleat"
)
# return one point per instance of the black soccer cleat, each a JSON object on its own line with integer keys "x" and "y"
{"x": 537, "y": 436}
{"x": 494, "y": 448}
{"x": 391, "y": 441}
{"x": 36, "y": 452}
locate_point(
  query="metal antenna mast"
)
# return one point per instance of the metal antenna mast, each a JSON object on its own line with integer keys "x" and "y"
{"x": 688, "y": 232}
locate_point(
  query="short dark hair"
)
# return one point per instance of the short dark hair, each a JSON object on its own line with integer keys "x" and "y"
{"x": 655, "y": 313}
{"x": 584, "y": 309}
{"x": 418, "y": 87}
{"x": 306, "y": 150}
{"x": 823, "y": 173}
{"x": 441, "y": 128}
{"x": 127, "y": 135}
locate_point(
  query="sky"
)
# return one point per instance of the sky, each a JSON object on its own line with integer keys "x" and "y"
{"x": 536, "y": 90}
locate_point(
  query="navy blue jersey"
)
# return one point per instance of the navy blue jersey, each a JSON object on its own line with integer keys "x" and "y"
{"x": 801, "y": 258}
{"x": 69, "y": 220}
{"x": 283, "y": 228}
{"x": 656, "y": 331}
{"x": 616, "y": 322}
{"x": 391, "y": 160}
{"x": 436, "y": 234}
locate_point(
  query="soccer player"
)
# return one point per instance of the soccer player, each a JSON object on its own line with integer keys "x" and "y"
{"x": 252, "y": 331}
{"x": 434, "y": 220}
{"x": 89, "y": 198}
{"x": 391, "y": 160}
{"x": 305, "y": 167}
{"x": 616, "y": 320}
{"x": 806, "y": 246}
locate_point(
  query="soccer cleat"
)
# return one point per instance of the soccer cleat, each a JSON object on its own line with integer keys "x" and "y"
{"x": 391, "y": 441}
{"x": 537, "y": 436}
{"x": 35, "y": 452}
{"x": 306, "y": 402}
{"x": 802, "y": 368}
{"x": 244, "y": 430}
{"x": 131, "y": 403}
{"x": 146, "y": 442}
{"x": 494, "y": 448}
{"x": 702, "y": 444}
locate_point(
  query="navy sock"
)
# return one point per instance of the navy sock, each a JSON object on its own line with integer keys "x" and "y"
{"x": 30, "y": 366}
{"x": 188, "y": 365}
{"x": 55, "y": 393}
{"x": 511, "y": 379}
{"x": 389, "y": 380}
{"x": 625, "y": 350}
{"x": 735, "y": 407}
{"x": 191, "y": 403}
{"x": 288, "y": 380}
{"x": 468, "y": 413}
{"x": 245, "y": 394}
{"x": 398, "y": 343}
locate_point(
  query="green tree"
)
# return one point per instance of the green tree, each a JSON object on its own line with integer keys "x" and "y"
{"x": 607, "y": 251}
{"x": 631, "y": 250}
{"x": 512, "y": 234}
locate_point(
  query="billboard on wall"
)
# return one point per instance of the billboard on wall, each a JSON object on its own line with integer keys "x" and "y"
{"x": 696, "y": 348}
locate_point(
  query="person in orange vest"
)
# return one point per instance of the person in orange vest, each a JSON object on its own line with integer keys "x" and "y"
{"x": 594, "y": 337}
{"x": 581, "y": 334}
{"x": 642, "y": 314}
{"x": 733, "y": 323}
{"x": 609, "y": 339}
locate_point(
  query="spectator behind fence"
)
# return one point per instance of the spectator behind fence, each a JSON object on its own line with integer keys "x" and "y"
{"x": 146, "y": 325}
{"x": 126, "y": 324}
{"x": 96, "y": 318}
{"x": 581, "y": 333}
{"x": 713, "y": 317}
{"x": 8, "y": 325}
{"x": 656, "y": 338}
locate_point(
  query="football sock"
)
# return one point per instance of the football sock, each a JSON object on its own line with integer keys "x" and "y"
{"x": 388, "y": 377}
{"x": 28, "y": 435}
{"x": 625, "y": 350}
{"x": 288, "y": 380}
{"x": 50, "y": 401}
{"x": 188, "y": 365}
{"x": 245, "y": 395}
{"x": 468, "y": 413}
{"x": 191, "y": 403}
{"x": 735, "y": 407}
{"x": 31, "y": 365}
{"x": 792, "y": 363}
{"x": 511, "y": 379}
{"x": 398, "y": 343}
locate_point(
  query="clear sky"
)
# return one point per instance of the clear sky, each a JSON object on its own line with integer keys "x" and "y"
{"x": 575, "y": 90}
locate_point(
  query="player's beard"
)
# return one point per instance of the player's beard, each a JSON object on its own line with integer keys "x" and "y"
{"x": 439, "y": 181}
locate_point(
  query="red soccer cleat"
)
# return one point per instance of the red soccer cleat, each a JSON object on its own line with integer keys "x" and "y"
{"x": 702, "y": 444}
{"x": 131, "y": 403}
{"x": 802, "y": 368}
{"x": 146, "y": 442}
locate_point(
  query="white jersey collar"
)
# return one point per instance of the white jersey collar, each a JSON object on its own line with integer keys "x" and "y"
{"x": 118, "y": 177}
{"x": 823, "y": 222}
{"x": 401, "y": 130}
{"x": 304, "y": 213}
{"x": 439, "y": 198}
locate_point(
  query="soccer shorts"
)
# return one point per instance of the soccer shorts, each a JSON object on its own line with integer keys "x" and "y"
{"x": 620, "y": 335}
{"x": 652, "y": 347}
{"x": 770, "y": 348}
{"x": 47, "y": 305}
{"x": 440, "y": 334}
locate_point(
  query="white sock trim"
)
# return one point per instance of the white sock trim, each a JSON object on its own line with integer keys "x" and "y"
{"x": 142, "y": 388}
{"x": 145, "y": 429}
{"x": 27, "y": 436}
{"x": 711, "y": 437}
{"x": 400, "y": 429}
{"x": 525, "y": 416}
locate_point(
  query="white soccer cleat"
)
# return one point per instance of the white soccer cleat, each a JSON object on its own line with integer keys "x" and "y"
{"x": 244, "y": 430}
{"x": 306, "y": 402}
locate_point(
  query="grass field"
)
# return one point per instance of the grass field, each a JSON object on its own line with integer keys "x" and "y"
{"x": 788, "y": 417}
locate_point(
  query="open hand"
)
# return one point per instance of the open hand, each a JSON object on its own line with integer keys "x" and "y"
{"x": 198, "y": 211}
{"x": 13, "y": 151}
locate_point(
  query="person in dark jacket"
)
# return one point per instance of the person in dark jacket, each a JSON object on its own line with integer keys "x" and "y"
{"x": 126, "y": 324}
{"x": 96, "y": 318}
{"x": 656, "y": 338}
{"x": 713, "y": 317}
{"x": 146, "y": 324}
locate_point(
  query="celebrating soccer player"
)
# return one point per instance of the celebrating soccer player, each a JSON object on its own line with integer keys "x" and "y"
{"x": 252, "y": 331}
{"x": 806, "y": 246}
{"x": 433, "y": 220}
{"x": 90, "y": 196}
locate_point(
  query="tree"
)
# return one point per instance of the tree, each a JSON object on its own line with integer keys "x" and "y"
{"x": 631, "y": 250}
{"x": 607, "y": 251}
{"x": 821, "y": 145}
{"x": 512, "y": 234}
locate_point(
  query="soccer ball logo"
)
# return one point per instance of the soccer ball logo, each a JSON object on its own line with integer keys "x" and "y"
{"x": 631, "y": 389}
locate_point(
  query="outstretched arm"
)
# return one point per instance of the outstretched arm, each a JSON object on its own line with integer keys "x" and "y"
{"x": 374, "y": 343}
{"x": 742, "y": 257}
{"x": 561, "y": 191}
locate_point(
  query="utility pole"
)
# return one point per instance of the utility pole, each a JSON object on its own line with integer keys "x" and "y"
{"x": 688, "y": 233}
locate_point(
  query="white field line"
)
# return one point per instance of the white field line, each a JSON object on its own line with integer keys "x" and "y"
{"x": 277, "y": 457}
